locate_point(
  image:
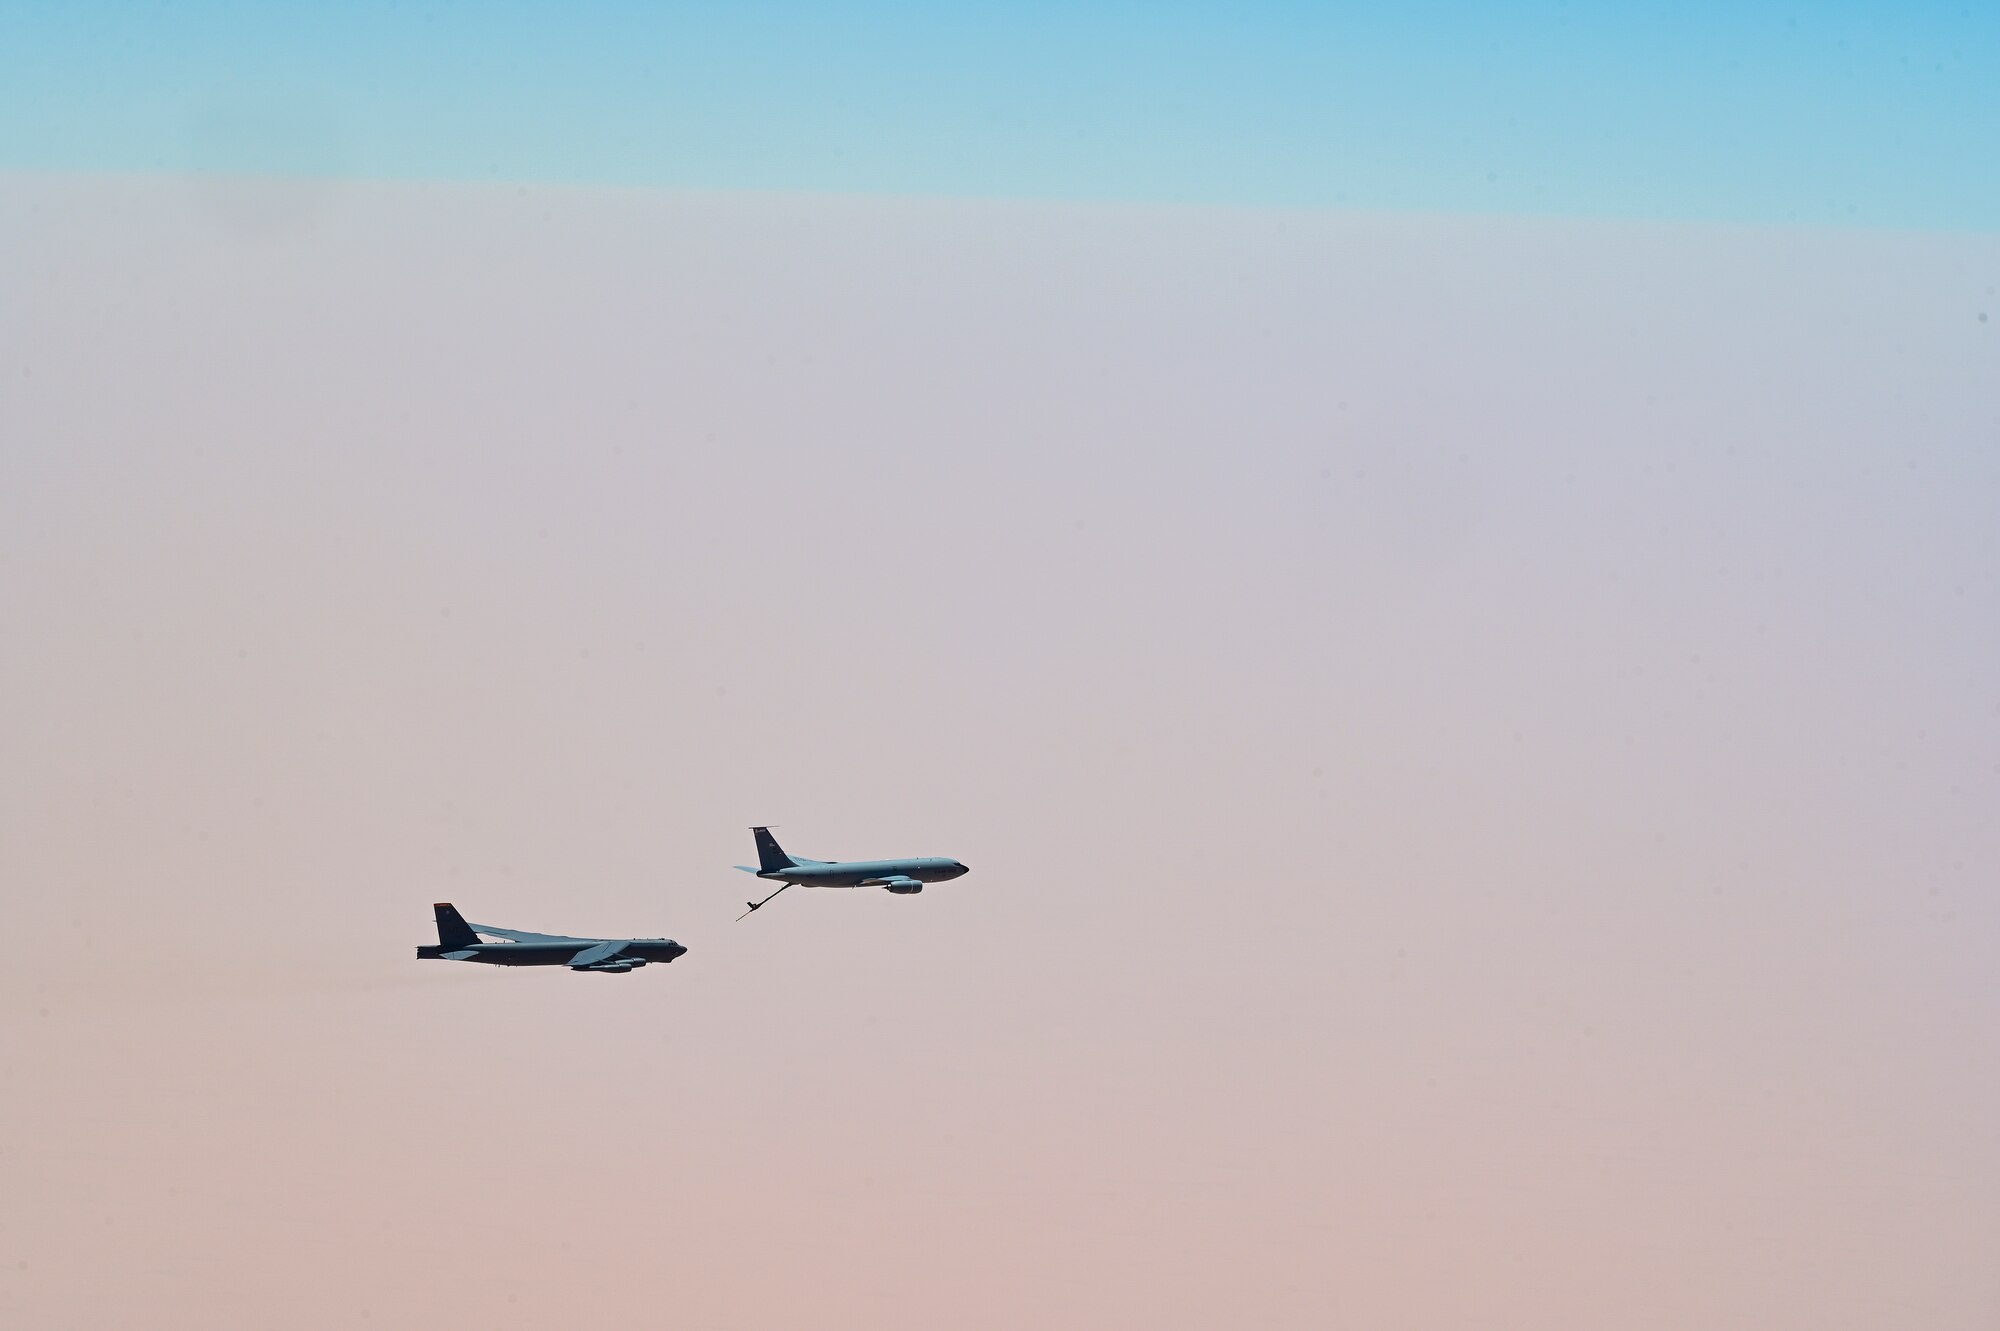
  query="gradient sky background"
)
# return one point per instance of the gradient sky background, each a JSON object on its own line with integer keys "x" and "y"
{"x": 1872, "y": 113}
{"x": 1475, "y": 716}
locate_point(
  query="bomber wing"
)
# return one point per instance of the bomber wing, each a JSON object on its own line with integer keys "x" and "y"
{"x": 601, "y": 952}
{"x": 523, "y": 936}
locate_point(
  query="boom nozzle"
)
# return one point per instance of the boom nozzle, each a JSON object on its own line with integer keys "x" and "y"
{"x": 759, "y": 905}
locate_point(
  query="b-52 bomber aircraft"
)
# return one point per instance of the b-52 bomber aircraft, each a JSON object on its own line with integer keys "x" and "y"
{"x": 899, "y": 876}
{"x": 459, "y": 941}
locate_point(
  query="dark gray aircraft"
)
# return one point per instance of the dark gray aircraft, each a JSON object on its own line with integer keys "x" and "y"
{"x": 900, "y": 876}
{"x": 459, "y": 941}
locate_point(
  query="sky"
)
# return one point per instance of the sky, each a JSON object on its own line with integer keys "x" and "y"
{"x": 1841, "y": 113}
{"x": 1474, "y": 723}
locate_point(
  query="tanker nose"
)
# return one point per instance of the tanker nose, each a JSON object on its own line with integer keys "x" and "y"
{"x": 963, "y": 869}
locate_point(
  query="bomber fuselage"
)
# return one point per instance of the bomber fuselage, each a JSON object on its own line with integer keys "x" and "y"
{"x": 549, "y": 953}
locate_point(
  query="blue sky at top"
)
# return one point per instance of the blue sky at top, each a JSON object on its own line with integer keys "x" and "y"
{"x": 1873, "y": 114}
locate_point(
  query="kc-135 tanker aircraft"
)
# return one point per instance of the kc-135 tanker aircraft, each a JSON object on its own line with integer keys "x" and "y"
{"x": 900, "y": 876}
{"x": 459, "y": 941}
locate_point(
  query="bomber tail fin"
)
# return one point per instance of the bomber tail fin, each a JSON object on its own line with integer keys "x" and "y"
{"x": 454, "y": 933}
{"x": 770, "y": 855}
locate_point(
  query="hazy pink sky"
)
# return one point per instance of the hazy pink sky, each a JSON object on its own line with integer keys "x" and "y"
{"x": 1478, "y": 742}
